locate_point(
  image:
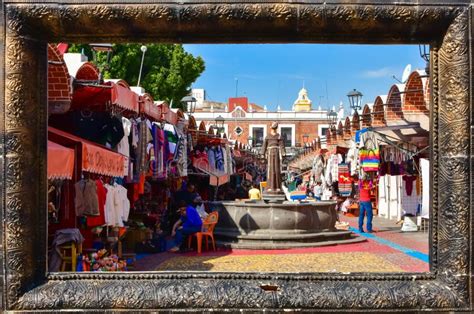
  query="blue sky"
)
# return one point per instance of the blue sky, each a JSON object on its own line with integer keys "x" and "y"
{"x": 272, "y": 74}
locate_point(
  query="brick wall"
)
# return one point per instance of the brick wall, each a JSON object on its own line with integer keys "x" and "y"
{"x": 366, "y": 117}
{"x": 355, "y": 123}
{"x": 414, "y": 95}
{"x": 311, "y": 128}
{"x": 87, "y": 71}
{"x": 393, "y": 108}
{"x": 58, "y": 77}
{"x": 347, "y": 128}
{"x": 378, "y": 116}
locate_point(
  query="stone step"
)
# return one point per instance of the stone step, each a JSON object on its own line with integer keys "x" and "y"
{"x": 264, "y": 245}
{"x": 282, "y": 236}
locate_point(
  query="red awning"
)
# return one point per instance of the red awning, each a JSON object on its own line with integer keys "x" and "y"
{"x": 149, "y": 109}
{"x": 60, "y": 161}
{"x": 167, "y": 114}
{"x": 95, "y": 158}
{"x": 97, "y": 97}
{"x": 210, "y": 140}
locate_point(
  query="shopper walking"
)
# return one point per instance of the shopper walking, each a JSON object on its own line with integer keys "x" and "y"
{"x": 365, "y": 205}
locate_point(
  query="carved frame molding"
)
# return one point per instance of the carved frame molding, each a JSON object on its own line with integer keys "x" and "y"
{"x": 27, "y": 26}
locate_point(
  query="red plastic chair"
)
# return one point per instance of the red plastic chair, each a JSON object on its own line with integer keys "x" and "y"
{"x": 207, "y": 232}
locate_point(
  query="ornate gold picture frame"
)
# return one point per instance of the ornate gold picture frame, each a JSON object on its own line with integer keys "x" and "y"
{"x": 27, "y": 27}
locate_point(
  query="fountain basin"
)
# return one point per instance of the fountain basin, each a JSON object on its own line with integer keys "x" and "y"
{"x": 258, "y": 225}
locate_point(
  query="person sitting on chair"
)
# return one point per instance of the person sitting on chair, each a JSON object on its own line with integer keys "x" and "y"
{"x": 254, "y": 193}
{"x": 188, "y": 224}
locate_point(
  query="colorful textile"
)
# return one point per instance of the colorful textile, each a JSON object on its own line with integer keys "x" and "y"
{"x": 172, "y": 136}
{"x": 219, "y": 159}
{"x": 335, "y": 160}
{"x": 163, "y": 154}
{"x": 93, "y": 221}
{"x": 182, "y": 156}
{"x": 154, "y": 164}
{"x": 212, "y": 159}
{"x": 369, "y": 159}
{"x": 409, "y": 184}
{"x": 344, "y": 179}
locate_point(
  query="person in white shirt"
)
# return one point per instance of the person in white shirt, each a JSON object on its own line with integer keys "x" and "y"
{"x": 198, "y": 204}
{"x": 318, "y": 191}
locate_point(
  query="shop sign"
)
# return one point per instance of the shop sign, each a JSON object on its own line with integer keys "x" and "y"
{"x": 101, "y": 161}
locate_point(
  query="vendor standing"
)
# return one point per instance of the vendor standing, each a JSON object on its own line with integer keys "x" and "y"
{"x": 365, "y": 207}
{"x": 188, "y": 224}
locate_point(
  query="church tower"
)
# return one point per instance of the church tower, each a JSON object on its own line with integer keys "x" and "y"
{"x": 303, "y": 103}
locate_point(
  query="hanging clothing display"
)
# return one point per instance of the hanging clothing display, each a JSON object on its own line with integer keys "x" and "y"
{"x": 144, "y": 139}
{"x": 117, "y": 205}
{"x": 369, "y": 155}
{"x": 94, "y": 221}
{"x": 150, "y": 153}
{"x": 332, "y": 169}
{"x": 155, "y": 163}
{"x": 181, "y": 155}
{"x": 230, "y": 166}
{"x": 219, "y": 158}
{"x": 212, "y": 159}
{"x": 409, "y": 202}
{"x": 86, "y": 201}
{"x": 171, "y": 136}
{"x": 163, "y": 153}
{"x": 123, "y": 147}
{"x": 318, "y": 168}
{"x": 352, "y": 158}
{"x": 344, "y": 182}
{"x": 409, "y": 183}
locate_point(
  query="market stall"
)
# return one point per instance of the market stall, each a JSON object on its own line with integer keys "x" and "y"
{"x": 111, "y": 95}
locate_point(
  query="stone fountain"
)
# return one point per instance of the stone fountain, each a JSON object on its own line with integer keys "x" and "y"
{"x": 274, "y": 223}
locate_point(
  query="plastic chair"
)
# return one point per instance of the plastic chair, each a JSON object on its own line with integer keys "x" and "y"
{"x": 207, "y": 232}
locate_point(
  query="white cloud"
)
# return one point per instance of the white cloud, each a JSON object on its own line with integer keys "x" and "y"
{"x": 382, "y": 72}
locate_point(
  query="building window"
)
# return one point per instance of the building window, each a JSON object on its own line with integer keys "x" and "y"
{"x": 257, "y": 136}
{"x": 238, "y": 130}
{"x": 323, "y": 131}
{"x": 286, "y": 134}
{"x": 238, "y": 113}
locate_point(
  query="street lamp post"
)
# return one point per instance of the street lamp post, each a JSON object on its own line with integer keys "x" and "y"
{"x": 102, "y": 47}
{"x": 143, "y": 49}
{"x": 220, "y": 124}
{"x": 355, "y": 99}
{"x": 331, "y": 118}
{"x": 190, "y": 103}
{"x": 425, "y": 55}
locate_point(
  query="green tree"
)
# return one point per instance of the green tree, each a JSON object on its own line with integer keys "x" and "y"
{"x": 168, "y": 70}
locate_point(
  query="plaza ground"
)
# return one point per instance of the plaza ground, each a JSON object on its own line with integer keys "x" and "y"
{"x": 386, "y": 250}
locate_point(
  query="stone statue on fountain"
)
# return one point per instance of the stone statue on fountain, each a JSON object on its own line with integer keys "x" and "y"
{"x": 274, "y": 151}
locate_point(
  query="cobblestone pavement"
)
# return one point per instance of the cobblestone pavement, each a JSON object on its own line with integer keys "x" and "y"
{"x": 386, "y": 250}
